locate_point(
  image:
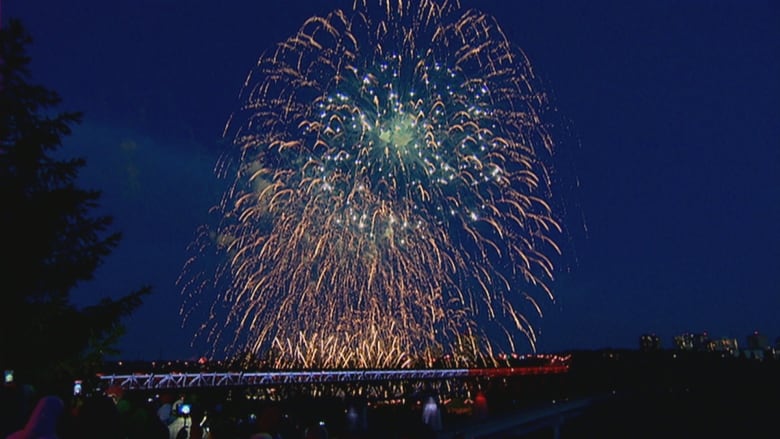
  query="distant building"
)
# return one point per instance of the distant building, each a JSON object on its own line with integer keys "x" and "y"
{"x": 701, "y": 342}
{"x": 758, "y": 346}
{"x": 649, "y": 342}
{"x": 757, "y": 341}
{"x": 724, "y": 345}
{"x": 684, "y": 342}
{"x": 692, "y": 342}
{"x": 777, "y": 348}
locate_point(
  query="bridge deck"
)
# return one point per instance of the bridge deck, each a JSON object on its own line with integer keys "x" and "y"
{"x": 150, "y": 381}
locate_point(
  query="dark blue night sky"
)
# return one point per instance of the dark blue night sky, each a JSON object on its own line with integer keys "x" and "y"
{"x": 667, "y": 114}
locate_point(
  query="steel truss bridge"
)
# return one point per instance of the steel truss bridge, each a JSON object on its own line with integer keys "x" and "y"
{"x": 174, "y": 380}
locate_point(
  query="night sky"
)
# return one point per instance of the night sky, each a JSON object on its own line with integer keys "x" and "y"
{"x": 666, "y": 121}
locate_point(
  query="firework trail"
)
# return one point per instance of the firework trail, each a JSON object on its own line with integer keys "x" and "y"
{"x": 390, "y": 197}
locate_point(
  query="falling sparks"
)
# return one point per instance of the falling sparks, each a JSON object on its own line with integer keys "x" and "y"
{"x": 389, "y": 198}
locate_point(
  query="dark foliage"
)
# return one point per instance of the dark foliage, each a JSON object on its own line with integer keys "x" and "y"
{"x": 51, "y": 240}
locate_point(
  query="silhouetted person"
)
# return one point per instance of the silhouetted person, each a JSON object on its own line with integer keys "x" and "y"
{"x": 42, "y": 423}
{"x": 316, "y": 432}
{"x": 144, "y": 424}
{"x": 480, "y": 406}
{"x": 431, "y": 415}
{"x": 14, "y": 407}
{"x": 99, "y": 418}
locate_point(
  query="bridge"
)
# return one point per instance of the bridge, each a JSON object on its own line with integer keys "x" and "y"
{"x": 376, "y": 388}
{"x": 189, "y": 380}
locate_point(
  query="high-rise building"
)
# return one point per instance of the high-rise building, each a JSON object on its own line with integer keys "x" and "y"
{"x": 684, "y": 342}
{"x": 699, "y": 342}
{"x": 757, "y": 341}
{"x": 757, "y": 346}
{"x": 725, "y": 345}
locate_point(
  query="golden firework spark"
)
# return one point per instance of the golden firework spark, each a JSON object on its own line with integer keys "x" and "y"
{"x": 390, "y": 194}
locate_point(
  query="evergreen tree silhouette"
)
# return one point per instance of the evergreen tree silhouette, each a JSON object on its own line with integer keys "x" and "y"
{"x": 51, "y": 241}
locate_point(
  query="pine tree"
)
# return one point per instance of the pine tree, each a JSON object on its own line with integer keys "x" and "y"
{"x": 51, "y": 240}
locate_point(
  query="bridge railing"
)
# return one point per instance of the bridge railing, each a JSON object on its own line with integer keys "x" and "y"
{"x": 174, "y": 380}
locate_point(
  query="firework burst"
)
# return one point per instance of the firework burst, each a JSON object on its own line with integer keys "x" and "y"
{"x": 389, "y": 198}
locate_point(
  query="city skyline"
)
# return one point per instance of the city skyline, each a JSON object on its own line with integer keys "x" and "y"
{"x": 663, "y": 118}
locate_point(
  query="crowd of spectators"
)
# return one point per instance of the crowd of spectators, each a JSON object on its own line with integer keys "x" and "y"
{"x": 113, "y": 414}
